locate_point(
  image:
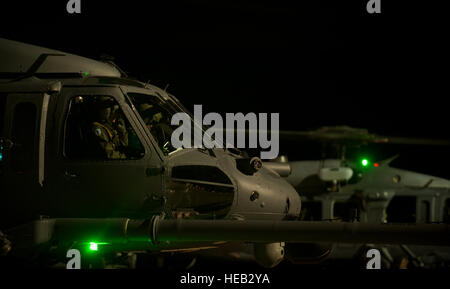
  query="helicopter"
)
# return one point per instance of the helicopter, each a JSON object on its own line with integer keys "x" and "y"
{"x": 361, "y": 189}
{"x": 86, "y": 163}
{"x": 365, "y": 189}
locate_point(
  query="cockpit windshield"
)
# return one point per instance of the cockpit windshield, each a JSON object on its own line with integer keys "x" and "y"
{"x": 157, "y": 113}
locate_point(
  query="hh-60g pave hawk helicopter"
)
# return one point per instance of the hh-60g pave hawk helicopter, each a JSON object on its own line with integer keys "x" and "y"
{"x": 86, "y": 162}
{"x": 362, "y": 189}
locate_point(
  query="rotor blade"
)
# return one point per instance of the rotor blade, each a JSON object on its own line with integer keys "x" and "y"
{"x": 332, "y": 136}
{"x": 336, "y": 134}
{"x": 362, "y": 137}
{"x": 345, "y": 134}
{"x": 417, "y": 141}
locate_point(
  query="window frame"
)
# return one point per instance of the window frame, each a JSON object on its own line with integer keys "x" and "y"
{"x": 92, "y": 92}
{"x": 151, "y": 92}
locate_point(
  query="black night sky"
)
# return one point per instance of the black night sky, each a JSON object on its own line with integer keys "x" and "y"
{"x": 316, "y": 62}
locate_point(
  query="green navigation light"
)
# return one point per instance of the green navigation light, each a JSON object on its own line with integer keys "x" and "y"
{"x": 93, "y": 246}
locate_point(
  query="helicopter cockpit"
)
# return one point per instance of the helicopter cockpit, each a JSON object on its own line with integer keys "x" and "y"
{"x": 90, "y": 117}
{"x": 96, "y": 128}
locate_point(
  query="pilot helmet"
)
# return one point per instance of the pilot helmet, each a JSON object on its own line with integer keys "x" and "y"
{"x": 105, "y": 106}
{"x": 149, "y": 113}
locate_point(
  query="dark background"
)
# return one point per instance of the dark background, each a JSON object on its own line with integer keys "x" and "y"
{"x": 315, "y": 62}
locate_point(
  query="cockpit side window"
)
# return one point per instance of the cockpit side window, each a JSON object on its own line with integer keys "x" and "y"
{"x": 96, "y": 128}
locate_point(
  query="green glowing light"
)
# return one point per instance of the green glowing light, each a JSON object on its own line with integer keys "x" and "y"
{"x": 364, "y": 162}
{"x": 93, "y": 246}
{"x": 86, "y": 74}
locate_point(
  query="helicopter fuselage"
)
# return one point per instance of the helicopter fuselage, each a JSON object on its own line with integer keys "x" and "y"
{"x": 41, "y": 176}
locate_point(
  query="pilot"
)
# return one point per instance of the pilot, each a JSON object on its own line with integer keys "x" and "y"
{"x": 154, "y": 121}
{"x": 109, "y": 132}
{"x": 150, "y": 115}
{"x": 118, "y": 124}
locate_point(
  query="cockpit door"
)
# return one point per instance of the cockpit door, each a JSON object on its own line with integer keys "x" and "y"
{"x": 89, "y": 184}
{"x": 22, "y": 159}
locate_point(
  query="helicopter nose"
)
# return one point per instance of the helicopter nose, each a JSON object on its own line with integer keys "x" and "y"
{"x": 265, "y": 195}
